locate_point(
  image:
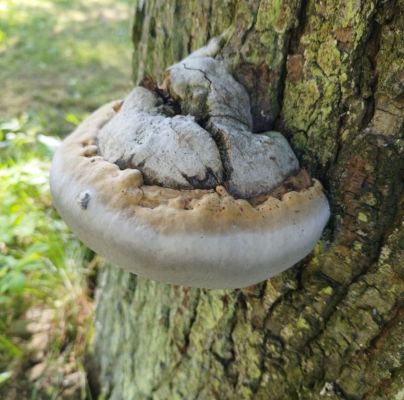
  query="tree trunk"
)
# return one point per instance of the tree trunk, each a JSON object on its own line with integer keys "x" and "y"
{"x": 330, "y": 76}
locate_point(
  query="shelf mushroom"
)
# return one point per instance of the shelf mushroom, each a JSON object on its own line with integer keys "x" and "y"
{"x": 173, "y": 185}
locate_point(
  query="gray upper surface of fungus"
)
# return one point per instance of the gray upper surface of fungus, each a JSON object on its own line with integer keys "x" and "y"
{"x": 210, "y": 143}
{"x": 172, "y": 152}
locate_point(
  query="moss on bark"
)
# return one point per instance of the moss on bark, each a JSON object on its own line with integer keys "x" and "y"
{"x": 330, "y": 76}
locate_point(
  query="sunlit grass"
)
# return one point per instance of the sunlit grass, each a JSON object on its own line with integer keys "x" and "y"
{"x": 59, "y": 60}
{"x": 63, "y": 56}
{"x": 41, "y": 263}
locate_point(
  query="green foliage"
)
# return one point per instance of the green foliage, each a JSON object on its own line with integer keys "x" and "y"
{"x": 37, "y": 251}
{"x": 59, "y": 60}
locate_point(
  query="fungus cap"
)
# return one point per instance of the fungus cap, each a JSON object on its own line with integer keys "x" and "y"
{"x": 172, "y": 183}
{"x": 199, "y": 238}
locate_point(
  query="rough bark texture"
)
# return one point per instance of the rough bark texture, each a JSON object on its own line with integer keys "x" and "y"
{"x": 328, "y": 74}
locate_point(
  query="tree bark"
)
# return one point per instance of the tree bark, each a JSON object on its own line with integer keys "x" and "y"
{"x": 330, "y": 76}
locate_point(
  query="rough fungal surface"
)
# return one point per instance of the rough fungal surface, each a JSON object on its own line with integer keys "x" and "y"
{"x": 210, "y": 144}
{"x": 172, "y": 183}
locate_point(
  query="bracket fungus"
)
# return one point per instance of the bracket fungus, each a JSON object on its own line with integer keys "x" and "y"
{"x": 173, "y": 184}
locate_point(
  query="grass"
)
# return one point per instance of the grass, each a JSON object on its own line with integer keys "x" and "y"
{"x": 59, "y": 60}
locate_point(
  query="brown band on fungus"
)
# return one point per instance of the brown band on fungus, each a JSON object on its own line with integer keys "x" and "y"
{"x": 294, "y": 183}
{"x": 207, "y": 210}
{"x": 117, "y": 107}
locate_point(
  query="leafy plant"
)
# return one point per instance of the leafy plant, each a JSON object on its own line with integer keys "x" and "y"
{"x": 59, "y": 61}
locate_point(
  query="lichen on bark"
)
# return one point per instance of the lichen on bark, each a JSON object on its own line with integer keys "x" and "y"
{"x": 330, "y": 76}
